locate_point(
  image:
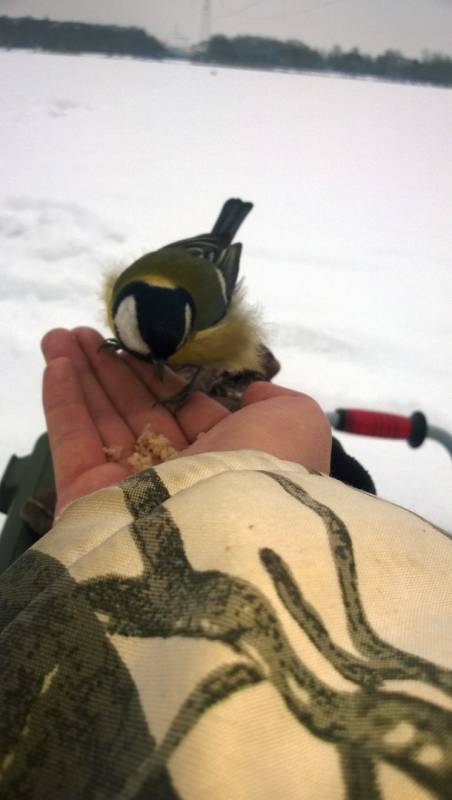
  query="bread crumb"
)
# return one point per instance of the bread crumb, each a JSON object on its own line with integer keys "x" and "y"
{"x": 154, "y": 444}
{"x": 138, "y": 461}
{"x": 113, "y": 453}
{"x": 148, "y": 446}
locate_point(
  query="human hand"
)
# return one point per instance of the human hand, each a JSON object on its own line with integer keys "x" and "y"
{"x": 97, "y": 398}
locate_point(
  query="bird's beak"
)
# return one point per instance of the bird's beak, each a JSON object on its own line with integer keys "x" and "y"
{"x": 159, "y": 367}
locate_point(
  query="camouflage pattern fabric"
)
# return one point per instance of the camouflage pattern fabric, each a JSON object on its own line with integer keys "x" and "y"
{"x": 229, "y": 626}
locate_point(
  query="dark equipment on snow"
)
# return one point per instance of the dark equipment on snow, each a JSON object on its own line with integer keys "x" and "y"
{"x": 27, "y": 496}
{"x": 414, "y": 429}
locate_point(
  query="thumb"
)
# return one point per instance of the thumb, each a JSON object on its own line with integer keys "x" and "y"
{"x": 282, "y": 422}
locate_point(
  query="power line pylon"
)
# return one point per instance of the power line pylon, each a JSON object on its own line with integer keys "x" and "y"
{"x": 206, "y": 19}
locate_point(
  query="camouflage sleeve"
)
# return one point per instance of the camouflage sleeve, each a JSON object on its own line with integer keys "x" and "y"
{"x": 229, "y": 626}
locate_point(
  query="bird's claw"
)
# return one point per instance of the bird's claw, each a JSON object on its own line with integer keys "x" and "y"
{"x": 110, "y": 344}
{"x": 176, "y": 401}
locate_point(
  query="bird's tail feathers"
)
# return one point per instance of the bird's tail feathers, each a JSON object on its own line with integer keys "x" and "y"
{"x": 230, "y": 218}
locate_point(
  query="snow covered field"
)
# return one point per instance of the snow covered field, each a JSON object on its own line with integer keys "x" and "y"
{"x": 347, "y": 252}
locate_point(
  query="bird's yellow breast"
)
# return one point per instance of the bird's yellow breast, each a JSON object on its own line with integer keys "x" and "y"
{"x": 233, "y": 344}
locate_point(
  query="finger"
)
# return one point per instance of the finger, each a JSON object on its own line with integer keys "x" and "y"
{"x": 112, "y": 427}
{"x": 145, "y": 371}
{"x": 290, "y": 426}
{"x": 55, "y": 343}
{"x": 74, "y": 439}
{"x": 263, "y": 390}
{"x": 198, "y": 414}
{"x": 132, "y": 398}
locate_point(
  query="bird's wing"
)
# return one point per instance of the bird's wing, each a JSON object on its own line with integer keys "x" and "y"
{"x": 233, "y": 344}
{"x": 204, "y": 246}
{"x": 228, "y": 264}
{"x": 210, "y": 248}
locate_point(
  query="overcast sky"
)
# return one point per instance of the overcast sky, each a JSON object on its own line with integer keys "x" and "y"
{"x": 412, "y": 26}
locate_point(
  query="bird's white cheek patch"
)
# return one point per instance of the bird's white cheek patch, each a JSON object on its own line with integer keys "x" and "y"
{"x": 126, "y": 324}
{"x": 188, "y": 324}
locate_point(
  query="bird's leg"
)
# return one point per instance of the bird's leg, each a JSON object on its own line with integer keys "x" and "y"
{"x": 175, "y": 401}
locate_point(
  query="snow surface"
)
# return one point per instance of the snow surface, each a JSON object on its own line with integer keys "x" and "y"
{"x": 347, "y": 252}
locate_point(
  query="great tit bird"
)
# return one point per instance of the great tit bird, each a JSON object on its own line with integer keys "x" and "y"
{"x": 182, "y": 305}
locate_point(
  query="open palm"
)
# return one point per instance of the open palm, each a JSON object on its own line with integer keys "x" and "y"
{"x": 94, "y": 398}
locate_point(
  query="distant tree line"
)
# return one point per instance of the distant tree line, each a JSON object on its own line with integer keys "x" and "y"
{"x": 78, "y": 37}
{"x": 240, "y": 51}
{"x": 256, "y": 51}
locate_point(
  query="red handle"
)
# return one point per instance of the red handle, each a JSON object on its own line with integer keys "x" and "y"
{"x": 387, "y": 426}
